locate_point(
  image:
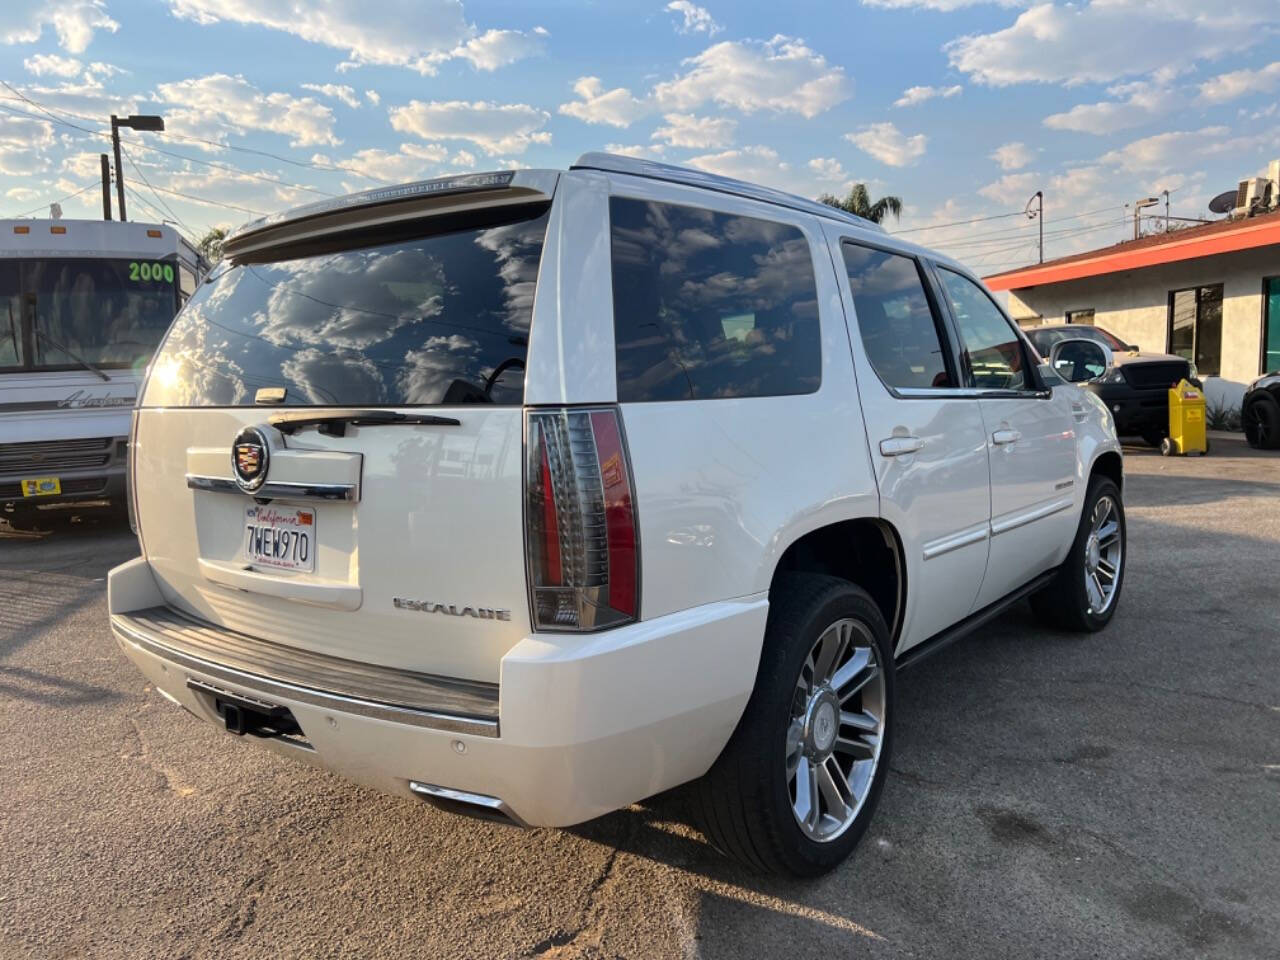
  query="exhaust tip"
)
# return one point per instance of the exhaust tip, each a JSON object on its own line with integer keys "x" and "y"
{"x": 476, "y": 805}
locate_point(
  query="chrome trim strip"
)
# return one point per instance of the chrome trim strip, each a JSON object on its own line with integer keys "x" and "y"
{"x": 954, "y": 541}
{"x": 473, "y": 804}
{"x": 381, "y": 693}
{"x": 1030, "y": 516}
{"x": 276, "y": 489}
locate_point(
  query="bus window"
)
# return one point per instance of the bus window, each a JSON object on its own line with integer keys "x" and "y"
{"x": 111, "y": 313}
{"x": 10, "y": 315}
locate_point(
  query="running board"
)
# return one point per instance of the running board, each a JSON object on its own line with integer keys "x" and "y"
{"x": 972, "y": 622}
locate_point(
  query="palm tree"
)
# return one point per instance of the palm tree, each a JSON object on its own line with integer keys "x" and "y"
{"x": 858, "y": 202}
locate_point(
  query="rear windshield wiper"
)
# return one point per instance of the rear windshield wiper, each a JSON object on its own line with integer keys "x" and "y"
{"x": 335, "y": 424}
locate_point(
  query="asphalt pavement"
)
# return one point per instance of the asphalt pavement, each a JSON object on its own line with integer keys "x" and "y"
{"x": 1115, "y": 795}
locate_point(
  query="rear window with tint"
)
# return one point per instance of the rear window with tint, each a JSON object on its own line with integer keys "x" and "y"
{"x": 710, "y": 305}
{"x": 422, "y": 321}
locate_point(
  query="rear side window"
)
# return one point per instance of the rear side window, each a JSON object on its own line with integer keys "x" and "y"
{"x": 709, "y": 305}
{"x": 421, "y": 321}
{"x": 991, "y": 350}
{"x": 898, "y": 327}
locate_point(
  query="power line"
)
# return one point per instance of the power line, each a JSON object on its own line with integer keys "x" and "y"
{"x": 170, "y": 135}
{"x": 1012, "y": 232}
{"x": 214, "y": 203}
{"x": 959, "y": 223}
{"x": 143, "y": 178}
{"x": 1113, "y": 221}
{"x": 69, "y": 196}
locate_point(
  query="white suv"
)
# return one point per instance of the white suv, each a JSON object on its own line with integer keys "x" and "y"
{"x": 536, "y": 493}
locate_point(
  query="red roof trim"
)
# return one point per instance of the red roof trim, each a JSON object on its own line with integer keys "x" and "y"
{"x": 1248, "y": 236}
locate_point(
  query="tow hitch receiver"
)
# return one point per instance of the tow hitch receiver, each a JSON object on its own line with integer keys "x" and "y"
{"x": 243, "y": 714}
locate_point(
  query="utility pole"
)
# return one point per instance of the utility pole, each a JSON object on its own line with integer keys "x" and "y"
{"x": 1038, "y": 213}
{"x": 136, "y": 122}
{"x": 106, "y": 186}
{"x": 1166, "y": 210}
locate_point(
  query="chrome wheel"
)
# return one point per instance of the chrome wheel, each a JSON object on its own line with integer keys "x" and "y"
{"x": 1257, "y": 427}
{"x": 1103, "y": 554}
{"x": 836, "y": 730}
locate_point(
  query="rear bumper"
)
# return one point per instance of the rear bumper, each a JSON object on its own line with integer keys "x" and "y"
{"x": 584, "y": 724}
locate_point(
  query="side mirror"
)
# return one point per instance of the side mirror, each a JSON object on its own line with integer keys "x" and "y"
{"x": 1133, "y": 347}
{"x": 1079, "y": 360}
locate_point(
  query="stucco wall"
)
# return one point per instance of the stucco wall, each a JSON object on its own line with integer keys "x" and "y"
{"x": 1135, "y": 307}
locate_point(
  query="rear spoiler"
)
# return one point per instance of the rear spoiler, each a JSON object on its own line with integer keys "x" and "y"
{"x": 385, "y": 205}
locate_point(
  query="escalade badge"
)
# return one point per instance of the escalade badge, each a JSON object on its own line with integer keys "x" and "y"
{"x": 451, "y": 609}
{"x": 249, "y": 459}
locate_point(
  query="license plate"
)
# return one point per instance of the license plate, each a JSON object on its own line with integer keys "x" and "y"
{"x": 41, "y": 487}
{"x": 281, "y": 538}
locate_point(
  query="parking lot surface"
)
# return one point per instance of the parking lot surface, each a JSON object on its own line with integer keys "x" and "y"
{"x": 1115, "y": 795}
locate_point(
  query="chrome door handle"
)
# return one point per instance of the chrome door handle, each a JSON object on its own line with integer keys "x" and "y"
{"x": 900, "y": 446}
{"x": 1001, "y": 437}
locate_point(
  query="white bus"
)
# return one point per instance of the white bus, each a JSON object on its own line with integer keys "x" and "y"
{"x": 83, "y": 305}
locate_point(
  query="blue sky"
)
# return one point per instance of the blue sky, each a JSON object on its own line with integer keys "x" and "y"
{"x": 962, "y": 108}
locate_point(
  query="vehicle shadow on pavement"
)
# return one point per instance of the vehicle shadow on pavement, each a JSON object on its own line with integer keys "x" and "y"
{"x": 32, "y": 685}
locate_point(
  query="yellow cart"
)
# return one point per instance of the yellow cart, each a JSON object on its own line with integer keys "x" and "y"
{"x": 1186, "y": 421}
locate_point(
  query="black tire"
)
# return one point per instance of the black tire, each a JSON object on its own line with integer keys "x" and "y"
{"x": 1262, "y": 424}
{"x": 1167, "y": 447}
{"x": 1064, "y": 602}
{"x": 744, "y": 802}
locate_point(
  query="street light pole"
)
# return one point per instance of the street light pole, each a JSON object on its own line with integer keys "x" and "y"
{"x": 106, "y": 186}
{"x": 137, "y": 122}
{"x": 1038, "y": 196}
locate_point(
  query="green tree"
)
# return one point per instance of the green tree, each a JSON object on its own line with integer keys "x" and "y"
{"x": 858, "y": 202}
{"x": 211, "y": 244}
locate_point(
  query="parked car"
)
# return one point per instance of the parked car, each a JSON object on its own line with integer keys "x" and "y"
{"x": 536, "y": 493}
{"x": 1260, "y": 412}
{"x": 1135, "y": 388}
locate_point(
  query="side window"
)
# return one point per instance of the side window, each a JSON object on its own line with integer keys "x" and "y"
{"x": 708, "y": 305}
{"x": 991, "y": 349}
{"x": 898, "y": 327}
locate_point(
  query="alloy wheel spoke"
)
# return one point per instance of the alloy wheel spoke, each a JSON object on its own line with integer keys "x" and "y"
{"x": 835, "y": 789}
{"x": 1095, "y": 593}
{"x": 851, "y": 668}
{"x": 856, "y": 685}
{"x": 864, "y": 722}
{"x": 806, "y": 804}
{"x": 1108, "y": 534}
{"x": 795, "y": 749}
{"x": 831, "y": 647}
{"x": 857, "y": 748}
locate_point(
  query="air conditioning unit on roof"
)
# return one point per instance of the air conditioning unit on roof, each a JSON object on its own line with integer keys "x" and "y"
{"x": 1251, "y": 193}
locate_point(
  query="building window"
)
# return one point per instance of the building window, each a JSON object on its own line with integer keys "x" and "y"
{"x": 1080, "y": 316}
{"x": 1195, "y": 327}
{"x": 1270, "y": 324}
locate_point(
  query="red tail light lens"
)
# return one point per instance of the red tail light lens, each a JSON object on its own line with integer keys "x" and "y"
{"x": 580, "y": 517}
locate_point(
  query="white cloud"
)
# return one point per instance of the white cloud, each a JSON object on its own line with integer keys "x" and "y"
{"x": 497, "y": 48}
{"x": 1143, "y": 102}
{"x": 52, "y": 65}
{"x": 74, "y": 21}
{"x": 781, "y": 75}
{"x": 828, "y": 168}
{"x": 241, "y": 106}
{"x": 493, "y": 127}
{"x": 336, "y": 91}
{"x": 644, "y": 151}
{"x": 616, "y": 107}
{"x": 763, "y": 165}
{"x": 1012, "y": 156}
{"x": 1165, "y": 151}
{"x": 418, "y": 34}
{"x": 1103, "y": 40}
{"x": 23, "y": 143}
{"x": 210, "y": 135}
{"x": 696, "y": 19}
{"x": 373, "y": 96}
{"x": 696, "y": 133}
{"x": 1012, "y": 188}
{"x": 943, "y": 5}
{"x": 913, "y": 95}
{"x": 411, "y": 161}
{"x": 888, "y": 144}
{"x": 85, "y": 96}
{"x": 1238, "y": 83}
{"x": 464, "y": 158}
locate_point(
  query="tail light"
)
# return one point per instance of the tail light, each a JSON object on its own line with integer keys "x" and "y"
{"x": 581, "y": 535}
{"x": 131, "y": 485}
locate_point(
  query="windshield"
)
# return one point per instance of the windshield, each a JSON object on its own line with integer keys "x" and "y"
{"x": 1044, "y": 338}
{"x": 411, "y": 321}
{"x": 58, "y": 314}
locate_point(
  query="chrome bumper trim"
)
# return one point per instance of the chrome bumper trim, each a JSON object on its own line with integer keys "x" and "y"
{"x": 274, "y": 670}
{"x": 466, "y": 804}
{"x": 276, "y": 490}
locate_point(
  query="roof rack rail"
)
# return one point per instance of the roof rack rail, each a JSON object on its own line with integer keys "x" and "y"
{"x": 638, "y": 167}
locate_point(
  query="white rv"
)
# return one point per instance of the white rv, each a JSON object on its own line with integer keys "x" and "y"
{"x": 83, "y": 305}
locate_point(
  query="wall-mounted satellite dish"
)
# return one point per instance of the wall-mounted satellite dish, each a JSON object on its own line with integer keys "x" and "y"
{"x": 1224, "y": 202}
